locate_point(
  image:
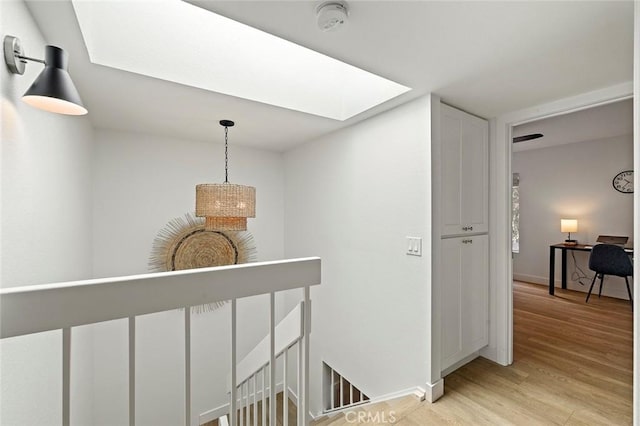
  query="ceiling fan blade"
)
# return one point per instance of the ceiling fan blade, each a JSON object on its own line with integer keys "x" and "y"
{"x": 527, "y": 137}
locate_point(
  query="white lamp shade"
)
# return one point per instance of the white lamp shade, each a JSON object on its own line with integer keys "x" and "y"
{"x": 568, "y": 225}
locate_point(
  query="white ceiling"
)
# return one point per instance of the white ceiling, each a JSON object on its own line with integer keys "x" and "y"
{"x": 485, "y": 57}
{"x": 602, "y": 122}
{"x": 193, "y": 46}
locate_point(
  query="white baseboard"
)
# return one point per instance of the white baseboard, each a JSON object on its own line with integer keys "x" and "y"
{"x": 417, "y": 391}
{"x": 434, "y": 391}
{"x": 617, "y": 290}
{"x": 534, "y": 279}
{"x": 420, "y": 393}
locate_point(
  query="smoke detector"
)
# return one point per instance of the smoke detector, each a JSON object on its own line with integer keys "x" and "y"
{"x": 331, "y": 16}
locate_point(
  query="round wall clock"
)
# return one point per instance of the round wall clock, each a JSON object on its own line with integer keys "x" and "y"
{"x": 623, "y": 182}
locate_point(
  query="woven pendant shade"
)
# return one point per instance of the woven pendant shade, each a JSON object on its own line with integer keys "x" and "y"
{"x": 225, "y": 206}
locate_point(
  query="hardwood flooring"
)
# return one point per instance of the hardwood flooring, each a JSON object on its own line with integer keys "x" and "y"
{"x": 572, "y": 366}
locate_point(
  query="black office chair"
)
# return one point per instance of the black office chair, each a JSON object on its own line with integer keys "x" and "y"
{"x": 607, "y": 259}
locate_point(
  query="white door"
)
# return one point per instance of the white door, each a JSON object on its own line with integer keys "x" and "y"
{"x": 465, "y": 172}
{"x": 465, "y": 297}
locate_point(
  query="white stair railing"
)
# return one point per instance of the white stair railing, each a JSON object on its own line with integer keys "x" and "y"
{"x": 249, "y": 378}
{"x": 253, "y": 375}
{"x": 63, "y": 306}
{"x": 258, "y": 387}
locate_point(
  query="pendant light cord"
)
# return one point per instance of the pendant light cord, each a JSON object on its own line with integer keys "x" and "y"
{"x": 226, "y": 155}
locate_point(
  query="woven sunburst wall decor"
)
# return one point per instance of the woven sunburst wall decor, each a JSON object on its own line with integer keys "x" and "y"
{"x": 184, "y": 244}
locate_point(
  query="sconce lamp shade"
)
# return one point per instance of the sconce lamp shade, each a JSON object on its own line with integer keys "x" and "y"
{"x": 568, "y": 225}
{"x": 53, "y": 90}
{"x": 225, "y": 206}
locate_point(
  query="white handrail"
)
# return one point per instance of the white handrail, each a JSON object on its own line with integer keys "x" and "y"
{"x": 63, "y": 305}
{"x": 72, "y": 304}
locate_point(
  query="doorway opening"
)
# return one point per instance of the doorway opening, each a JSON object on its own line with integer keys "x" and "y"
{"x": 551, "y": 187}
{"x": 567, "y": 176}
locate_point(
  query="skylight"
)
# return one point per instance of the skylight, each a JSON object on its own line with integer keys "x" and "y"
{"x": 179, "y": 42}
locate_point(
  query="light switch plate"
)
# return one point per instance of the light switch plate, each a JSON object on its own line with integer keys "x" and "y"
{"x": 414, "y": 246}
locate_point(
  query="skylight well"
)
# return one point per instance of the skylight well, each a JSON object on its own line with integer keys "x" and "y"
{"x": 179, "y": 42}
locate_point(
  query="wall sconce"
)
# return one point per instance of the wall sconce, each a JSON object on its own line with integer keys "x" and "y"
{"x": 53, "y": 90}
{"x": 569, "y": 225}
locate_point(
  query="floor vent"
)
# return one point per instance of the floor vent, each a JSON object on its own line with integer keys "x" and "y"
{"x": 339, "y": 392}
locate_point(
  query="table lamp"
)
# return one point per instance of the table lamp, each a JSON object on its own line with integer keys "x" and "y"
{"x": 569, "y": 225}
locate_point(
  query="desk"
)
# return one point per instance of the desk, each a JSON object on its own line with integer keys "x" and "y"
{"x": 564, "y": 248}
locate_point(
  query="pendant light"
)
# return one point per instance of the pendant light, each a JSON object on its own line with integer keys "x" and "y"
{"x": 225, "y": 206}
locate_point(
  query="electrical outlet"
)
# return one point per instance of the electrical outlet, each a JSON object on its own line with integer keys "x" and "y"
{"x": 414, "y": 246}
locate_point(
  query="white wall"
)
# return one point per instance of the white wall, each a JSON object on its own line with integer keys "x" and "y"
{"x": 352, "y": 198}
{"x": 143, "y": 181}
{"x": 46, "y": 234}
{"x": 140, "y": 183}
{"x": 571, "y": 181}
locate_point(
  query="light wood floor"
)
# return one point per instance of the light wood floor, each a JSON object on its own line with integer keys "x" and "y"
{"x": 572, "y": 366}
